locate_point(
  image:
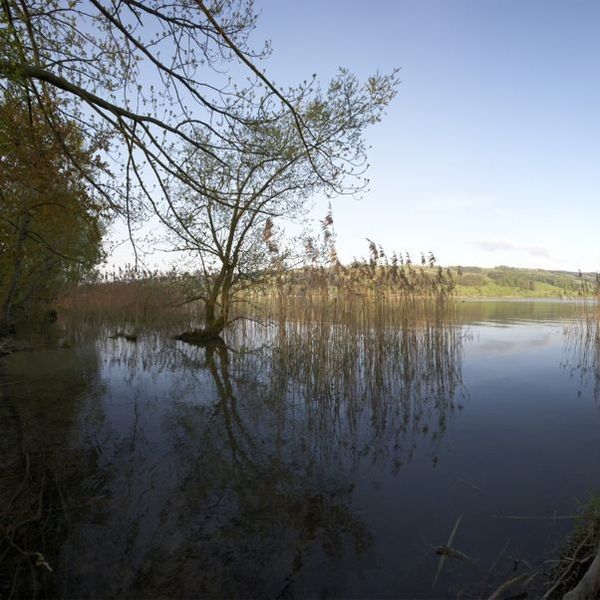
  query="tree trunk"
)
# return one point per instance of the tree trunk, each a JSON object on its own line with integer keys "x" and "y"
{"x": 215, "y": 323}
{"x": 216, "y": 312}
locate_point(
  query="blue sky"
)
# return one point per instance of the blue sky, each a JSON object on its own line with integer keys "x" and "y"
{"x": 490, "y": 154}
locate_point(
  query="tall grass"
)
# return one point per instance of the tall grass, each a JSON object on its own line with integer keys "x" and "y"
{"x": 338, "y": 354}
{"x": 133, "y": 300}
{"x": 396, "y": 367}
{"x": 582, "y": 349}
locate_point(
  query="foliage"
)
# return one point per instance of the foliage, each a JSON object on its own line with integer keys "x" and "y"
{"x": 50, "y": 224}
{"x": 514, "y": 282}
{"x": 228, "y": 220}
{"x": 97, "y": 56}
{"x": 145, "y": 78}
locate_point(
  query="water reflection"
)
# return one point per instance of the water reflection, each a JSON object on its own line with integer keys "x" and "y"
{"x": 582, "y": 349}
{"x": 246, "y": 517}
{"x": 42, "y": 474}
{"x": 231, "y": 470}
{"x": 504, "y": 313}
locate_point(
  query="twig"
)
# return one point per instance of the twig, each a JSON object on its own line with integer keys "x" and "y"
{"x": 589, "y": 585}
{"x": 471, "y": 485}
{"x": 567, "y": 570}
{"x": 508, "y": 584}
{"x": 443, "y": 557}
{"x": 500, "y": 555}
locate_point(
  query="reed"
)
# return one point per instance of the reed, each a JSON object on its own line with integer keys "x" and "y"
{"x": 582, "y": 347}
{"x": 131, "y": 300}
{"x": 395, "y": 366}
{"x": 340, "y": 361}
{"x": 335, "y": 292}
{"x": 314, "y": 274}
{"x": 579, "y": 559}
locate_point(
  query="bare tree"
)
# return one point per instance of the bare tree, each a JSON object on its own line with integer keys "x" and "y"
{"x": 141, "y": 77}
{"x": 149, "y": 84}
{"x": 227, "y": 219}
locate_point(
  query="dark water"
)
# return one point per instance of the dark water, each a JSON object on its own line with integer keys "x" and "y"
{"x": 312, "y": 461}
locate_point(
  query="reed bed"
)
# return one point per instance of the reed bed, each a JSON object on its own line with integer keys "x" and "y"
{"x": 343, "y": 365}
{"x": 140, "y": 299}
{"x": 582, "y": 348}
{"x": 338, "y": 359}
{"x": 319, "y": 276}
{"x": 324, "y": 340}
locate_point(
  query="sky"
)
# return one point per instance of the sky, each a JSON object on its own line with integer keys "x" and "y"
{"x": 490, "y": 153}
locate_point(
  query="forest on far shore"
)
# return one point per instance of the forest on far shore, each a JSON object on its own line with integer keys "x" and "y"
{"x": 505, "y": 281}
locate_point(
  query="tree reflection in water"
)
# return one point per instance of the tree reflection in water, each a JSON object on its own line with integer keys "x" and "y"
{"x": 42, "y": 474}
{"x": 230, "y": 470}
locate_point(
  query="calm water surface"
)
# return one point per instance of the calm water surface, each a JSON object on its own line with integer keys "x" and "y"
{"x": 314, "y": 461}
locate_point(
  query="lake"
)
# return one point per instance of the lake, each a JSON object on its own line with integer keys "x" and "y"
{"x": 305, "y": 459}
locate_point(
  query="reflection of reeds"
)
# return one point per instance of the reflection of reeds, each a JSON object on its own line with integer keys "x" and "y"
{"x": 278, "y": 425}
{"x": 391, "y": 361}
{"x": 269, "y": 434}
{"x": 346, "y": 359}
{"x": 380, "y": 371}
{"x": 582, "y": 349}
{"x": 361, "y": 372}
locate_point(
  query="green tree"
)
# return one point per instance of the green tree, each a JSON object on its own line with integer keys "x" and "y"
{"x": 151, "y": 76}
{"x": 50, "y": 222}
{"x": 227, "y": 220}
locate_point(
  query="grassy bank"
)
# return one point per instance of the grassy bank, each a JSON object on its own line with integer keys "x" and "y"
{"x": 509, "y": 282}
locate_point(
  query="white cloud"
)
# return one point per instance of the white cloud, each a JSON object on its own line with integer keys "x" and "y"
{"x": 504, "y": 245}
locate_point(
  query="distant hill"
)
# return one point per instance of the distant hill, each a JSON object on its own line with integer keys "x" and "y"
{"x": 524, "y": 283}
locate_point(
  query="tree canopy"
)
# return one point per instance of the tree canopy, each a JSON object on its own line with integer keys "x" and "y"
{"x": 227, "y": 219}
{"x": 154, "y": 88}
{"x": 147, "y": 77}
{"x": 51, "y": 224}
